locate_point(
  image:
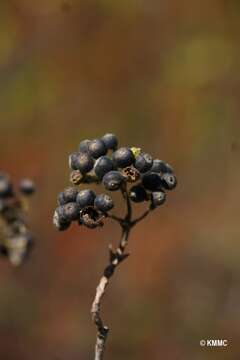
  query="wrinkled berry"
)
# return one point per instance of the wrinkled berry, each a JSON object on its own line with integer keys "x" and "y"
{"x": 91, "y": 217}
{"x": 102, "y": 166}
{"x": 169, "y": 181}
{"x": 110, "y": 141}
{"x": 83, "y": 146}
{"x": 138, "y": 194}
{"x": 27, "y": 187}
{"x": 160, "y": 166}
{"x": 123, "y": 157}
{"x": 113, "y": 180}
{"x": 152, "y": 181}
{"x": 97, "y": 148}
{"x": 68, "y": 195}
{"x": 85, "y": 198}
{"x": 158, "y": 198}
{"x": 143, "y": 162}
{"x": 103, "y": 202}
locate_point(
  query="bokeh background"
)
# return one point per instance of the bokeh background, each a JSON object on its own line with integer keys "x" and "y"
{"x": 163, "y": 75}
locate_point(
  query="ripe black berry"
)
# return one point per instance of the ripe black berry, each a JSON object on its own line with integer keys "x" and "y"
{"x": 72, "y": 161}
{"x": 152, "y": 181}
{"x": 143, "y": 162}
{"x": 110, "y": 141}
{"x": 6, "y": 188}
{"x": 71, "y": 211}
{"x": 97, "y": 148}
{"x": 123, "y": 157}
{"x": 85, "y": 198}
{"x": 137, "y": 193}
{"x": 160, "y": 166}
{"x": 68, "y": 195}
{"x": 83, "y": 162}
{"x": 103, "y": 202}
{"x": 27, "y": 187}
{"x": 169, "y": 181}
{"x": 102, "y": 166}
{"x": 113, "y": 180}
{"x": 83, "y": 146}
{"x": 158, "y": 198}
{"x": 60, "y": 219}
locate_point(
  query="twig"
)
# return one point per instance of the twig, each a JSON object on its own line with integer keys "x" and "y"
{"x": 116, "y": 257}
{"x": 145, "y": 214}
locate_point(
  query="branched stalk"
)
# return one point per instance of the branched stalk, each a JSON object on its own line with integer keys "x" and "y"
{"x": 115, "y": 258}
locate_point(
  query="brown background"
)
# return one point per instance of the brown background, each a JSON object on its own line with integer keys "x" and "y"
{"x": 163, "y": 75}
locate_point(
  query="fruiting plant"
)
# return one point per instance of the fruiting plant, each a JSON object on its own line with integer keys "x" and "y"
{"x": 131, "y": 171}
{"x": 15, "y": 238}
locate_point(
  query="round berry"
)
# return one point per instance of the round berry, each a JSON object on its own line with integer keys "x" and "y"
{"x": 113, "y": 180}
{"x": 6, "y": 188}
{"x": 169, "y": 181}
{"x": 143, "y": 162}
{"x": 83, "y": 162}
{"x": 85, "y": 198}
{"x": 102, "y": 166}
{"x": 27, "y": 187}
{"x": 158, "y": 198}
{"x": 123, "y": 157}
{"x": 103, "y": 202}
{"x": 138, "y": 194}
{"x": 68, "y": 195}
{"x": 97, "y": 148}
{"x": 72, "y": 161}
{"x": 160, "y": 166}
{"x": 71, "y": 211}
{"x": 83, "y": 146}
{"x": 110, "y": 141}
{"x": 60, "y": 220}
{"x": 152, "y": 181}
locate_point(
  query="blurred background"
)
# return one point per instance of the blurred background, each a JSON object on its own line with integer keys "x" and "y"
{"x": 160, "y": 74}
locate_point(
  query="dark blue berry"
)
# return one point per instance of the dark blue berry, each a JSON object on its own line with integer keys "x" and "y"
{"x": 138, "y": 194}
{"x": 72, "y": 161}
{"x": 123, "y": 157}
{"x": 103, "y": 202}
{"x": 85, "y": 198}
{"x": 83, "y": 162}
{"x": 27, "y": 187}
{"x": 113, "y": 180}
{"x": 68, "y": 195}
{"x": 158, "y": 198}
{"x": 71, "y": 211}
{"x": 110, "y": 141}
{"x": 102, "y": 166}
{"x": 169, "y": 181}
{"x": 60, "y": 219}
{"x": 6, "y": 188}
{"x": 143, "y": 162}
{"x": 152, "y": 181}
{"x": 83, "y": 146}
{"x": 97, "y": 148}
{"x": 160, "y": 166}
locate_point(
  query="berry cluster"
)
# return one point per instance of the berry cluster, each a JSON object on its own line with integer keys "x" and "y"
{"x": 101, "y": 161}
{"x": 15, "y": 238}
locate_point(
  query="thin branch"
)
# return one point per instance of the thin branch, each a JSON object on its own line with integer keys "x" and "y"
{"x": 145, "y": 214}
{"x": 115, "y": 258}
{"x": 116, "y": 218}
